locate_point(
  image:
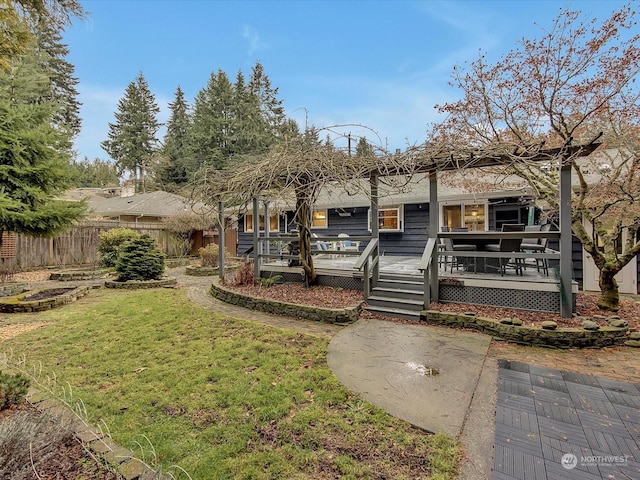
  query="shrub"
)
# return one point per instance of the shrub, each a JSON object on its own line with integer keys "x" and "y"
{"x": 269, "y": 281}
{"x": 110, "y": 242}
{"x": 13, "y": 389}
{"x": 242, "y": 276}
{"x": 140, "y": 259}
{"x": 209, "y": 255}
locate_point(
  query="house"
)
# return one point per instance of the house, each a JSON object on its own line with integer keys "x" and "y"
{"x": 403, "y": 217}
{"x": 154, "y": 210}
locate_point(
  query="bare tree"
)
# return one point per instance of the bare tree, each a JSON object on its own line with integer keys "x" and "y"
{"x": 573, "y": 83}
{"x": 296, "y": 169}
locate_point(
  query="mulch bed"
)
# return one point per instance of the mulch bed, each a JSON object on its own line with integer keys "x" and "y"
{"x": 330, "y": 297}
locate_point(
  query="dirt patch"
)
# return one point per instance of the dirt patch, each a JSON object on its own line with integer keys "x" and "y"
{"x": 10, "y": 331}
{"x": 33, "y": 276}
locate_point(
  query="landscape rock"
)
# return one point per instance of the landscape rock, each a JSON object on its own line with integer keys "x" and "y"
{"x": 549, "y": 325}
{"x": 619, "y": 323}
{"x": 590, "y": 325}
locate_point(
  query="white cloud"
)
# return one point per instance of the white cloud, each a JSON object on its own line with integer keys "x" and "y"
{"x": 252, "y": 37}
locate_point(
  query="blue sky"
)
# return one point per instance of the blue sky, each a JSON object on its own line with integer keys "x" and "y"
{"x": 383, "y": 64}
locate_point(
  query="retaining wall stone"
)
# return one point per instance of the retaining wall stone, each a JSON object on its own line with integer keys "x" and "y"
{"x": 319, "y": 314}
{"x": 139, "y": 284}
{"x": 17, "y": 304}
{"x": 558, "y": 338}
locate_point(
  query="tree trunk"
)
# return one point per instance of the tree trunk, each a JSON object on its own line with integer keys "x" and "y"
{"x": 303, "y": 220}
{"x": 609, "y": 297}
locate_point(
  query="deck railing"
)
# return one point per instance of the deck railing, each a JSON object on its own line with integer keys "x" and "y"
{"x": 278, "y": 247}
{"x": 474, "y": 237}
{"x": 369, "y": 261}
{"x": 483, "y": 237}
{"x": 425, "y": 267}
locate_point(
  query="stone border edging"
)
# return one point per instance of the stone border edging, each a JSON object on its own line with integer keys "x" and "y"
{"x": 197, "y": 271}
{"x": 122, "y": 460}
{"x": 318, "y": 314}
{"x": 560, "y": 338}
{"x": 16, "y": 304}
{"x": 139, "y": 284}
{"x": 77, "y": 275}
{"x": 10, "y": 289}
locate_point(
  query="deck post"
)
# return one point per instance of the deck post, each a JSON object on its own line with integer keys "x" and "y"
{"x": 432, "y": 290}
{"x": 267, "y": 226}
{"x": 375, "y": 231}
{"x": 566, "y": 279}
{"x": 221, "y": 239}
{"x": 256, "y": 236}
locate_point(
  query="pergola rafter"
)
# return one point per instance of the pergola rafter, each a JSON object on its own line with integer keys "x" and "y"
{"x": 285, "y": 172}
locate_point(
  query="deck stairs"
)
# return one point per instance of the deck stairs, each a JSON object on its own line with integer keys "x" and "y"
{"x": 399, "y": 296}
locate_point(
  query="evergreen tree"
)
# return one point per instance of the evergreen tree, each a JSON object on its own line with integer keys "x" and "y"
{"x": 210, "y": 137}
{"x": 364, "y": 148}
{"x": 264, "y": 98}
{"x": 132, "y": 139}
{"x": 34, "y": 158}
{"x": 16, "y": 16}
{"x": 61, "y": 74}
{"x": 172, "y": 173}
{"x": 97, "y": 173}
{"x": 239, "y": 119}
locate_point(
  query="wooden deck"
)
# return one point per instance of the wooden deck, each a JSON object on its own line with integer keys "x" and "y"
{"x": 530, "y": 291}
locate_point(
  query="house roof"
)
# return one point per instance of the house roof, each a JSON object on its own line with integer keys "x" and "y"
{"x": 153, "y": 204}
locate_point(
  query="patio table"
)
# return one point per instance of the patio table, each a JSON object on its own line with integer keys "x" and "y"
{"x": 480, "y": 239}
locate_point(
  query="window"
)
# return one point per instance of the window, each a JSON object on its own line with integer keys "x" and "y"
{"x": 390, "y": 219}
{"x": 470, "y": 215}
{"x": 274, "y": 223}
{"x": 319, "y": 219}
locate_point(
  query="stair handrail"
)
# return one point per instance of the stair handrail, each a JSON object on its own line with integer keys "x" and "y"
{"x": 369, "y": 259}
{"x": 425, "y": 266}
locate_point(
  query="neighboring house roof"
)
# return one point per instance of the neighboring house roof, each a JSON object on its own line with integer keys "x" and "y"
{"x": 90, "y": 193}
{"x": 153, "y": 204}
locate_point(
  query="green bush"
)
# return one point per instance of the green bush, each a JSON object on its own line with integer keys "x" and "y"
{"x": 13, "y": 389}
{"x": 140, "y": 259}
{"x": 209, "y": 255}
{"x": 110, "y": 242}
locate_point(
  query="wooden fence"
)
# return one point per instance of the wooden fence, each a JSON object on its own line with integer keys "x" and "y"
{"x": 79, "y": 245}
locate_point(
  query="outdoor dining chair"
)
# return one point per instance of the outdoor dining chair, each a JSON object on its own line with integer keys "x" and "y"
{"x": 348, "y": 245}
{"x": 457, "y": 262}
{"x": 507, "y": 245}
{"x": 538, "y": 246}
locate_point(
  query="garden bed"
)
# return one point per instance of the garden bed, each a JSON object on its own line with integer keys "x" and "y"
{"x": 318, "y": 303}
{"x": 40, "y": 300}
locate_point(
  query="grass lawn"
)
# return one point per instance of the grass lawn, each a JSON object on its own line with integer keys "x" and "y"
{"x": 221, "y": 397}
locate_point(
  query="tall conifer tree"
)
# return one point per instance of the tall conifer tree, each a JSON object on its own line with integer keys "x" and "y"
{"x": 132, "y": 141}
{"x": 34, "y": 154}
{"x": 172, "y": 173}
